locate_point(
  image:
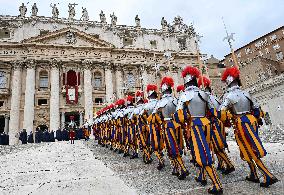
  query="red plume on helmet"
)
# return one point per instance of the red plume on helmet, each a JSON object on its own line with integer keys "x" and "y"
{"x": 180, "y": 88}
{"x": 129, "y": 98}
{"x": 231, "y": 71}
{"x": 146, "y": 101}
{"x": 139, "y": 93}
{"x": 120, "y": 102}
{"x": 206, "y": 81}
{"x": 168, "y": 81}
{"x": 193, "y": 71}
{"x": 151, "y": 87}
{"x": 111, "y": 106}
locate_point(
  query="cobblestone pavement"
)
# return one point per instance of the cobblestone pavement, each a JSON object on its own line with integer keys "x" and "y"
{"x": 56, "y": 168}
{"x": 148, "y": 180}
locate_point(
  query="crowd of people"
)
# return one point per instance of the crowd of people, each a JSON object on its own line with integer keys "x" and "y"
{"x": 193, "y": 123}
{"x": 65, "y": 134}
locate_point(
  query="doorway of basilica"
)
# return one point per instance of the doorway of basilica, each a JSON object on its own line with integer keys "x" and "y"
{"x": 76, "y": 118}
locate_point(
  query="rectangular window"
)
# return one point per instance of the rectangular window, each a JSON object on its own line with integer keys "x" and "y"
{"x": 153, "y": 44}
{"x": 182, "y": 44}
{"x": 98, "y": 100}
{"x": 1, "y": 104}
{"x": 4, "y": 33}
{"x": 44, "y": 32}
{"x": 279, "y": 55}
{"x": 43, "y": 81}
{"x": 3, "y": 80}
{"x": 97, "y": 82}
{"x": 127, "y": 41}
{"x": 42, "y": 102}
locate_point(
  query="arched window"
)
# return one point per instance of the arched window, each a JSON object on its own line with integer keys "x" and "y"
{"x": 43, "y": 80}
{"x": 98, "y": 80}
{"x": 3, "y": 80}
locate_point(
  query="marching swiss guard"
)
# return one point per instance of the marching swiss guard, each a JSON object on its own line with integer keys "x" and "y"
{"x": 173, "y": 138}
{"x": 218, "y": 134}
{"x": 245, "y": 116}
{"x": 192, "y": 110}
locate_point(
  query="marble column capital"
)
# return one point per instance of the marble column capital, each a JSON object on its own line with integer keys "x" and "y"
{"x": 54, "y": 63}
{"x": 30, "y": 64}
{"x": 87, "y": 64}
{"x": 18, "y": 65}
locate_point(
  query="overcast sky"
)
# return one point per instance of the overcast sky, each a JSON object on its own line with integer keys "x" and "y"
{"x": 249, "y": 19}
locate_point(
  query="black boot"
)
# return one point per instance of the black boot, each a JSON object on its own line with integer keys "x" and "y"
{"x": 270, "y": 182}
{"x": 182, "y": 176}
{"x": 228, "y": 170}
{"x": 160, "y": 166}
{"x": 214, "y": 191}
{"x": 202, "y": 182}
{"x": 135, "y": 155}
{"x": 253, "y": 179}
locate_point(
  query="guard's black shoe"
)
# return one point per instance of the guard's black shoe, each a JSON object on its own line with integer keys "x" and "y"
{"x": 134, "y": 156}
{"x": 270, "y": 182}
{"x": 115, "y": 149}
{"x": 175, "y": 173}
{"x": 160, "y": 166}
{"x": 120, "y": 151}
{"x": 252, "y": 179}
{"x": 182, "y": 176}
{"x": 103, "y": 145}
{"x": 202, "y": 182}
{"x": 187, "y": 173}
{"x": 111, "y": 148}
{"x": 228, "y": 170}
{"x": 125, "y": 154}
{"x": 214, "y": 191}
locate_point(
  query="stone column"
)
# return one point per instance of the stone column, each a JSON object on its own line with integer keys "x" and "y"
{"x": 54, "y": 96}
{"x": 29, "y": 97}
{"x": 15, "y": 103}
{"x": 62, "y": 120}
{"x": 88, "y": 91}
{"x": 6, "y": 128}
{"x": 119, "y": 82}
{"x": 145, "y": 78}
{"x": 108, "y": 83}
{"x": 81, "y": 119}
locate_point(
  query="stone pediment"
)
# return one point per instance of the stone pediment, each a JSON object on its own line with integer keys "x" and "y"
{"x": 68, "y": 37}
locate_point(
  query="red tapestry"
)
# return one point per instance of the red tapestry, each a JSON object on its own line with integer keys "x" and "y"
{"x": 71, "y": 94}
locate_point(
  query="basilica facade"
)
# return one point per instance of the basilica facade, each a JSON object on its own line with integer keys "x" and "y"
{"x": 52, "y": 67}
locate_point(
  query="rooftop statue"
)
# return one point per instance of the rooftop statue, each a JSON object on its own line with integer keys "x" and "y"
{"x": 85, "y": 14}
{"x": 102, "y": 17}
{"x": 34, "y": 10}
{"x": 55, "y": 11}
{"x": 23, "y": 10}
{"x": 164, "y": 23}
{"x": 113, "y": 19}
{"x": 137, "y": 21}
{"x": 71, "y": 10}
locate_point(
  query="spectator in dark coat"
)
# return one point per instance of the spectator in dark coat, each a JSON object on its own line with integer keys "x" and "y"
{"x": 31, "y": 137}
{"x": 24, "y": 136}
{"x": 37, "y": 136}
{"x": 59, "y": 135}
{"x": 2, "y": 138}
{"x": 51, "y": 136}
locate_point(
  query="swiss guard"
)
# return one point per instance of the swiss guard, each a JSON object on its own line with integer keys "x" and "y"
{"x": 245, "y": 116}
{"x": 218, "y": 134}
{"x": 173, "y": 137}
{"x": 191, "y": 110}
{"x": 156, "y": 136}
